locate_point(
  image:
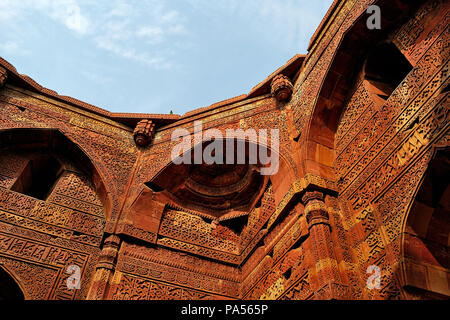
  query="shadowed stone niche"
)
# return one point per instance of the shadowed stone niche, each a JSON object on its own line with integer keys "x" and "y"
{"x": 9, "y": 289}
{"x": 426, "y": 261}
{"x": 216, "y": 191}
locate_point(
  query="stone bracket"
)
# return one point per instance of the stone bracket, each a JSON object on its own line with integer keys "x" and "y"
{"x": 143, "y": 218}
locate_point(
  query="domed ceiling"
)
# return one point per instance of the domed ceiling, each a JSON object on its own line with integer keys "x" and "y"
{"x": 218, "y": 191}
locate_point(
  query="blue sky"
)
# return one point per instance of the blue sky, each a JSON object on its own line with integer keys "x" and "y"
{"x": 153, "y": 56}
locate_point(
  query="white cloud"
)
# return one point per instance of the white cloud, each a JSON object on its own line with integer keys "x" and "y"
{"x": 67, "y": 12}
{"x": 171, "y": 17}
{"x": 177, "y": 29}
{"x": 137, "y": 29}
{"x": 132, "y": 54}
{"x": 151, "y": 33}
{"x": 157, "y": 34}
{"x": 115, "y": 26}
{"x": 120, "y": 9}
{"x": 9, "y": 47}
{"x": 123, "y": 33}
{"x": 287, "y": 22}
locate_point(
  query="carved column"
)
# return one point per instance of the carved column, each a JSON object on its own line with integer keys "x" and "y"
{"x": 325, "y": 266}
{"x": 105, "y": 268}
{"x": 3, "y": 76}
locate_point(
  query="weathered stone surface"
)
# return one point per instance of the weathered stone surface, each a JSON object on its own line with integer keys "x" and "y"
{"x": 144, "y": 132}
{"x": 282, "y": 88}
{"x": 362, "y": 183}
{"x": 3, "y": 76}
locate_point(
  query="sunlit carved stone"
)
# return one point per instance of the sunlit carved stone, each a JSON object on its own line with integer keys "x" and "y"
{"x": 361, "y": 193}
{"x": 282, "y": 88}
{"x": 109, "y": 252}
{"x": 315, "y": 208}
{"x": 144, "y": 132}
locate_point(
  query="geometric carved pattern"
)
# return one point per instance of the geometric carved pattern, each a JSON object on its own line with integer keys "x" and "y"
{"x": 348, "y": 174}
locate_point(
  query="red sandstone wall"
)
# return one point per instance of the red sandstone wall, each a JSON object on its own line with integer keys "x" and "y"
{"x": 339, "y": 204}
{"x": 40, "y": 239}
{"x": 383, "y": 149}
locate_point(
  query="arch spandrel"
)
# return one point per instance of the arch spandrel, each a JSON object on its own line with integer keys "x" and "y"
{"x": 64, "y": 228}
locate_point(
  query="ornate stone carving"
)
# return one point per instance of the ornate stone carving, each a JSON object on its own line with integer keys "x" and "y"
{"x": 144, "y": 133}
{"x": 348, "y": 175}
{"x": 315, "y": 208}
{"x": 109, "y": 252}
{"x": 281, "y": 88}
{"x": 3, "y": 76}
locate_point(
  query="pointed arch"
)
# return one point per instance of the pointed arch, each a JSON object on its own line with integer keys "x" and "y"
{"x": 53, "y": 141}
{"x": 173, "y": 178}
{"x": 10, "y": 288}
{"x": 425, "y": 268}
{"x": 346, "y": 70}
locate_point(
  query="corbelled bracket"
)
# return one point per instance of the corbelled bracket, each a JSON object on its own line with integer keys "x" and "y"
{"x": 3, "y": 76}
{"x": 109, "y": 253}
{"x": 144, "y": 133}
{"x": 282, "y": 88}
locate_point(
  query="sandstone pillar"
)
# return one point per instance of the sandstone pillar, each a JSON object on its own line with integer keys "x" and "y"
{"x": 324, "y": 269}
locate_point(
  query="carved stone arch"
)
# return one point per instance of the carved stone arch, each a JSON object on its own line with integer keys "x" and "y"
{"x": 344, "y": 72}
{"x": 425, "y": 267}
{"x": 281, "y": 180}
{"x": 10, "y": 287}
{"x": 227, "y": 183}
{"x": 72, "y": 212}
{"x": 56, "y": 142}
